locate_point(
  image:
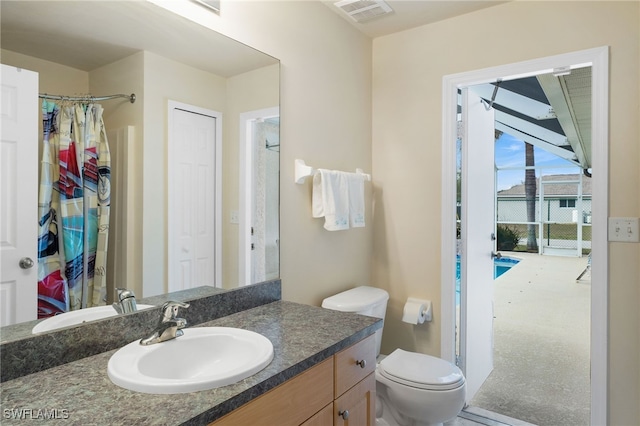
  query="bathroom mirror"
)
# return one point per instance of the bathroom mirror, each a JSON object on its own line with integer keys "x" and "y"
{"x": 139, "y": 47}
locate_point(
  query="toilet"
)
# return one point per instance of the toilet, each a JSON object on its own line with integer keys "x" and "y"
{"x": 413, "y": 389}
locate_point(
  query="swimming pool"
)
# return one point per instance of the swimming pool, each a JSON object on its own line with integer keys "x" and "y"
{"x": 500, "y": 266}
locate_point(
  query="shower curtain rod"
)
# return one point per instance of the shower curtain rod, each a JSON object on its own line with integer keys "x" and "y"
{"x": 131, "y": 97}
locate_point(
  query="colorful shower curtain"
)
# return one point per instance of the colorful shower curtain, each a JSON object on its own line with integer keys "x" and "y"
{"x": 74, "y": 204}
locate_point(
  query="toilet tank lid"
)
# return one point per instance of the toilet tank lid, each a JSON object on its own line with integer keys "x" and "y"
{"x": 356, "y": 299}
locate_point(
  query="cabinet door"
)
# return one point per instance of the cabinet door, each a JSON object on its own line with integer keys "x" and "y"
{"x": 357, "y": 406}
{"x": 291, "y": 403}
{"x": 322, "y": 418}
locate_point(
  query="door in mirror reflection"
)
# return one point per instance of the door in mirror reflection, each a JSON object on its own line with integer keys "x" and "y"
{"x": 19, "y": 196}
{"x": 192, "y": 215}
{"x": 259, "y": 207}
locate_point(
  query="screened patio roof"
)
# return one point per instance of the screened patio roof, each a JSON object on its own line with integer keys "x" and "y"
{"x": 548, "y": 111}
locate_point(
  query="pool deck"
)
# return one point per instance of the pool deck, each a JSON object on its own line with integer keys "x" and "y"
{"x": 541, "y": 339}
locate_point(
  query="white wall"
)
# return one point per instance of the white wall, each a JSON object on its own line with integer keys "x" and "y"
{"x": 407, "y": 87}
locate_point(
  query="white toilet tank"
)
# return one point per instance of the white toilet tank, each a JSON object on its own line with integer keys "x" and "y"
{"x": 362, "y": 300}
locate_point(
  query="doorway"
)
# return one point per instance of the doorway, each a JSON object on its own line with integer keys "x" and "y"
{"x": 259, "y": 229}
{"x": 598, "y": 60}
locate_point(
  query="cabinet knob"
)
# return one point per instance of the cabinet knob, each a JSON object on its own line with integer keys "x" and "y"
{"x": 362, "y": 363}
{"x": 344, "y": 414}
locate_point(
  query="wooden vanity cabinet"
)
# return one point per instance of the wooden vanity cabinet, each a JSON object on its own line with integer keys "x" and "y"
{"x": 289, "y": 404}
{"x": 355, "y": 384}
{"x": 338, "y": 391}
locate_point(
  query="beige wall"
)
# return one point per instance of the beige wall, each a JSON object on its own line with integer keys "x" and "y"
{"x": 325, "y": 105}
{"x": 155, "y": 80}
{"x": 125, "y": 75}
{"x": 166, "y": 80}
{"x": 250, "y": 91}
{"x": 54, "y": 79}
{"x": 326, "y": 108}
{"x": 407, "y": 116}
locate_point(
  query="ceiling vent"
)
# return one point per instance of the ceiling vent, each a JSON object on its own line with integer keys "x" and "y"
{"x": 364, "y": 10}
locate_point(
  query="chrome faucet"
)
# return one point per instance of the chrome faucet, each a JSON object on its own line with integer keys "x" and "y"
{"x": 169, "y": 327}
{"x": 126, "y": 301}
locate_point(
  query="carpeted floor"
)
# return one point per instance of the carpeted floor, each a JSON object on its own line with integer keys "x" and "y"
{"x": 541, "y": 357}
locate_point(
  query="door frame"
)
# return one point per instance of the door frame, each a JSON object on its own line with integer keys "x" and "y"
{"x": 246, "y": 151}
{"x": 171, "y": 105}
{"x": 598, "y": 58}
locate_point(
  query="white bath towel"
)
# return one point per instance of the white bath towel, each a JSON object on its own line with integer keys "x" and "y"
{"x": 330, "y": 199}
{"x": 356, "y": 199}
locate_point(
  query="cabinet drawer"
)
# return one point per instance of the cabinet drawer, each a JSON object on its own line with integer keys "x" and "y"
{"x": 291, "y": 403}
{"x": 349, "y": 368}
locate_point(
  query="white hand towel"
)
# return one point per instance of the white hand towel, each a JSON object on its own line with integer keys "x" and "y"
{"x": 330, "y": 199}
{"x": 356, "y": 200}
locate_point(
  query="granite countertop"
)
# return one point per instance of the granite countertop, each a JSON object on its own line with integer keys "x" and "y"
{"x": 23, "y": 353}
{"x": 80, "y": 392}
{"x": 23, "y": 330}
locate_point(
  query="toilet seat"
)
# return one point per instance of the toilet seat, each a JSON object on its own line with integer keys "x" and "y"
{"x": 420, "y": 371}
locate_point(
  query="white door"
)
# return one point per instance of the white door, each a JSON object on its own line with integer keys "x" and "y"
{"x": 194, "y": 242}
{"x": 478, "y": 230}
{"x": 19, "y": 196}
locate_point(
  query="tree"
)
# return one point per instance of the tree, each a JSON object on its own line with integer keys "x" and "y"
{"x": 530, "y": 196}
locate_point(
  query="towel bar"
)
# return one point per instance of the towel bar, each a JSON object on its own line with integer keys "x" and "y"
{"x": 302, "y": 171}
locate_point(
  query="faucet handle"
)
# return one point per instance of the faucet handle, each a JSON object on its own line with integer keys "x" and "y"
{"x": 125, "y": 301}
{"x": 170, "y": 310}
{"x": 123, "y": 293}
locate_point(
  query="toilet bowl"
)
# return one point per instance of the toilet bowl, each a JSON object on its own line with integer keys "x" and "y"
{"x": 412, "y": 389}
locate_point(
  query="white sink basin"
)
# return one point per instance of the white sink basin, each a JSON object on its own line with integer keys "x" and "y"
{"x": 203, "y": 358}
{"x": 78, "y": 317}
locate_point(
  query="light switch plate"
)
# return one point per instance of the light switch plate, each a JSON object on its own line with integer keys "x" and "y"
{"x": 624, "y": 229}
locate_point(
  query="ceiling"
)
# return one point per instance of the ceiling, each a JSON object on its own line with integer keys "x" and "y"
{"x": 408, "y": 14}
{"x": 548, "y": 111}
{"x": 33, "y": 28}
{"x": 106, "y": 31}
{"x": 552, "y": 113}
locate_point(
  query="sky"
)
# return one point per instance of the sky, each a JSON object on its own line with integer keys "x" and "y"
{"x": 510, "y": 153}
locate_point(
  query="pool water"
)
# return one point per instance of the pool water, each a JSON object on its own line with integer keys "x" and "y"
{"x": 500, "y": 266}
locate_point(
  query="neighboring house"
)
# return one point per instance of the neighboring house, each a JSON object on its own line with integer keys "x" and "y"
{"x": 563, "y": 202}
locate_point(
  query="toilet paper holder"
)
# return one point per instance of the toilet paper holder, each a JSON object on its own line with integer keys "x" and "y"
{"x": 417, "y": 311}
